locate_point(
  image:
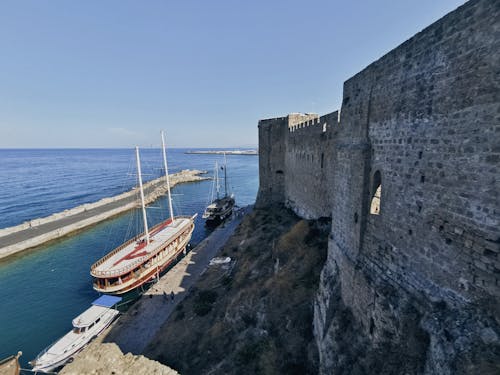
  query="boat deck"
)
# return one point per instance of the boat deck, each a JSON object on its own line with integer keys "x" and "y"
{"x": 89, "y": 316}
{"x": 139, "y": 250}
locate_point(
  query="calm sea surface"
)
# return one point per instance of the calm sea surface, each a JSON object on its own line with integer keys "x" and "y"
{"x": 42, "y": 291}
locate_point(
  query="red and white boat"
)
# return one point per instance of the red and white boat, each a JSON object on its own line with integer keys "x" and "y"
{"x": 145, "y": 256}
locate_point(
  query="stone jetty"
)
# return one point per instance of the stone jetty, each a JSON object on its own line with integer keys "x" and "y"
{"x": 38, "y": 231}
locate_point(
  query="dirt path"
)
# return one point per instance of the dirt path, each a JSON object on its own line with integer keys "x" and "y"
{"x": 133, "y": 331}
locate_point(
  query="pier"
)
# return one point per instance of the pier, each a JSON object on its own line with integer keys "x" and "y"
{"x": 39, "y": 231}
{"x": 133, "y": 331}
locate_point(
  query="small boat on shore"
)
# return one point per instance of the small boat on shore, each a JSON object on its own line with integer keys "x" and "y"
{"x": 144, "y": 257}
{"x": 219, "y": 207}
{"x": 86, "y": 327}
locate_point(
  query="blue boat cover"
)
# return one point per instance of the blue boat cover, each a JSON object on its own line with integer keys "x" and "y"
{"x": 106, "y": 301}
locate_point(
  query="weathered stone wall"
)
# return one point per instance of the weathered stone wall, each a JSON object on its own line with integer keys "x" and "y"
{"x": 272, "y": 160}
{"x": 295, "y": 157}
{"x": 429, "y": 113}
{"x": 308, "y": 160}
{"x": 423, "y": 272}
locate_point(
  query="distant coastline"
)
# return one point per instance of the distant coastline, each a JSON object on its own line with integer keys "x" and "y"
{"x": 222, "y": 152}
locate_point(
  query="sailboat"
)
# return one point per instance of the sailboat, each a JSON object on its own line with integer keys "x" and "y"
{"x": 144, "y": 257}
{"x": 221, "y": 207}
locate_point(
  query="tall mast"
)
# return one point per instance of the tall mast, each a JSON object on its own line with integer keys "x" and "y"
{"x": 217, "y": 178}
{"x": 225, "y": 174}
{"x": 166, "y": 174}
{"x": 144, "y": 217}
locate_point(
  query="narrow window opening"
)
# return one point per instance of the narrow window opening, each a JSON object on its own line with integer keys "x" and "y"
{"x": 377, "y": 194}
{"x": 322, "y": 159}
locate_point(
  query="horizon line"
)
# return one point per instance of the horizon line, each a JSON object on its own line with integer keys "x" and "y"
{"x": 125, "y": 148}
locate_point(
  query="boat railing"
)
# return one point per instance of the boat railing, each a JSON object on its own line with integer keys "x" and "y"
{"x": 131, "y": 266}
{"x": 111, "y": 253}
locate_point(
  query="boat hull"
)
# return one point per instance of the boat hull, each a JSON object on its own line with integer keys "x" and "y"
{"x": 40, "y": 364}
{"x": 144, "y": 275}
{"x": 215, "y": 216}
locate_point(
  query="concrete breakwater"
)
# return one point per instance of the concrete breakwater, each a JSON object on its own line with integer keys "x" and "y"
{"x": 38, "y": 231}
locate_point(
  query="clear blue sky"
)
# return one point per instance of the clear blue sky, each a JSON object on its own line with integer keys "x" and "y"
{"x": 113, "y": 73}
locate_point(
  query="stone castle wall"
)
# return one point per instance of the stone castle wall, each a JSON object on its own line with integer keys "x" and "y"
{"x": 427, "y": 114}
{"x": 295, "y": 152}
{"x": 423, "y": 123}
{"x": 307, "y": 157}
{"x": 272, "y": 160}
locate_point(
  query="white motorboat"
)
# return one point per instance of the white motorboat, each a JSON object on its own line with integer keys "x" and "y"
{"x": 86, "y": 327}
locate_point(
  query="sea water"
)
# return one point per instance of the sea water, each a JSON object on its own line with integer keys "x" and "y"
{"x": 42, "y": 290}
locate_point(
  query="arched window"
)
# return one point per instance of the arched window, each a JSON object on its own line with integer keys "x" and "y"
{"x": 376, "y": 194}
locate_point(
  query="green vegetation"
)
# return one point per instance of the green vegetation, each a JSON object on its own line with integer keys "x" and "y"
{"x": 204, "y": 301}
{"x": 256, "y": 316}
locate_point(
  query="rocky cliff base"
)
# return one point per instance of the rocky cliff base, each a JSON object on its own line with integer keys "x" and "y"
{"x": 252, "y": 314}
{"x": 107, "y": 359}
{"x": 366, "y": 325}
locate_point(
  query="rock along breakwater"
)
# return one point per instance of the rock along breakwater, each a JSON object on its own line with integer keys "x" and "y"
{"x": 38, "y": 231}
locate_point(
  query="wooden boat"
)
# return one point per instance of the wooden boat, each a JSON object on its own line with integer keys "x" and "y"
{"x": 145, "y": 256}
{"x": 86, "y": 327}
{"x": 10, "y": 365}
{"x": 220, "y": 207}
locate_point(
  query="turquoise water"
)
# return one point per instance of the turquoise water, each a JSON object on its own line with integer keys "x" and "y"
{"x": 41, "y": 291}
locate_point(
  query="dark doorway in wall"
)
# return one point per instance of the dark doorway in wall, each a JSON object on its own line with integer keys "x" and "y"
{"x": 376, "y": 194}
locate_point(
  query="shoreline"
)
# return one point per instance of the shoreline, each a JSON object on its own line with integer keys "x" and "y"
{"x": 135, "y": 329}
{"x": 36, "y": 232}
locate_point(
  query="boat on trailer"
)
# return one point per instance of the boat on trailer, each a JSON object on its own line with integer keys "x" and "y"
{"x": 86, "y": 327}
{"x": 144, "y": 257}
